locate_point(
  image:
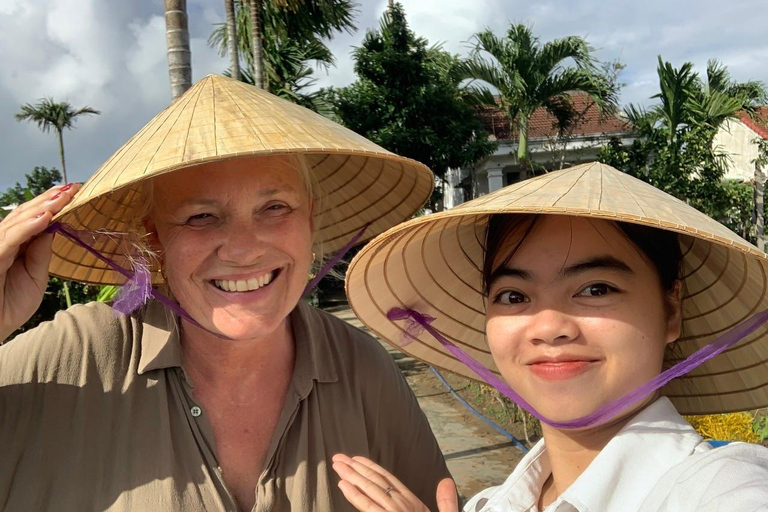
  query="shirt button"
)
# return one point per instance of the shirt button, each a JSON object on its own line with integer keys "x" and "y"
{"x": 196, "y": 411}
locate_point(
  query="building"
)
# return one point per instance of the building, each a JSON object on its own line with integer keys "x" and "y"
{"x": 736, "y": 138}
{"x": 547, "y": 149}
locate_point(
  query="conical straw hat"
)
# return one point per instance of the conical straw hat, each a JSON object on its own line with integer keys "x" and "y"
{"x": 433, "y": 264}
{"x": 221, "y": 118}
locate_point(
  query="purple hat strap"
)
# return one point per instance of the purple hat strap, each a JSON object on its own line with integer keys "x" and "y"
{"x": 418, "y": 321}
{"x": 138, "y": 288}
{"x": 139, "y": 281}
{"x": 334, "y": 260}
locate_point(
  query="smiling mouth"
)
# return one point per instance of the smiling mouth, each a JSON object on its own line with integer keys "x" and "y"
{"x": 243, "y": 285}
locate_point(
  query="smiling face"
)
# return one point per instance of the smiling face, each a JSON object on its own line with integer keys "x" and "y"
{"x": 235, "y": 239}
{"x": 577, "y": 316}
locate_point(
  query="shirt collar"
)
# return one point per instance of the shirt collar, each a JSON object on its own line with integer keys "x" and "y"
{"x": 622, "y": 474}
{"x": 161, "y": 347}
{"x": 633, "y": 462}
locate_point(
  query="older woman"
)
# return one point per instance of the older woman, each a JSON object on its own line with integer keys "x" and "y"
{"x": 239, "y": 402}
{"x": 591, "y": 294}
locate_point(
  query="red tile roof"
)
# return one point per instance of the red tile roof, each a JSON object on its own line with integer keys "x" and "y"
{"x": 543, "y": 124}
{"x": 759, "y": 126}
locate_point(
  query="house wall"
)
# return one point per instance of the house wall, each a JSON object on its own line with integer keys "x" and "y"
{"x": 541, "y": 151}
{"x": 737, "y": 140}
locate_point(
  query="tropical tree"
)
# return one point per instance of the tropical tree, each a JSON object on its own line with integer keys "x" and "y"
{"x": 407, "y": 100}
{"x": 177, "y": 40}
{"x": 289, "y": 34}
{"x": 675, "y": 149}
{"x": 48, "y": 114}
{"x": 232, "y": 48}
{"x": 529, "y": 75}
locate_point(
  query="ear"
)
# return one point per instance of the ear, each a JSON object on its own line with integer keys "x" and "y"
{"x": 675, "y": 312}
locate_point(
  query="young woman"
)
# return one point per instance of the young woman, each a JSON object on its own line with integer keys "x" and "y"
{"x": 588, "y": 291}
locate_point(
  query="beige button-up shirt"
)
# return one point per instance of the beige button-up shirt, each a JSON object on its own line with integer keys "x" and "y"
{"x": 656, "y": 463}
{"x": 96, "y": 414}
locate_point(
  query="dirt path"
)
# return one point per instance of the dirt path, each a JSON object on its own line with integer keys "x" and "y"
{"x": 477, "y": 456}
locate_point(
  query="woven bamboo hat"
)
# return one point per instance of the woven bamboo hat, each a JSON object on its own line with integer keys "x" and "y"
{"x": 221, "y": 118}
{"x": 434, "y": 264}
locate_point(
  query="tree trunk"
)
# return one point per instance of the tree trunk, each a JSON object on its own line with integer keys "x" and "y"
{"x": 177, "y": 40}
{"x": 759, "y": 212}
{"x": 234, "y": 57}
{"x": 522, "y": 148}
{"x": 60, "y": 133}
{"x": 256, "y": 44}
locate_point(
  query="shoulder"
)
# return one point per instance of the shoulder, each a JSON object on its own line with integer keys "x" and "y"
{"x": 83, "y": 335}
{"x": 732, "y": 478}
{"x": 348, "y": 344}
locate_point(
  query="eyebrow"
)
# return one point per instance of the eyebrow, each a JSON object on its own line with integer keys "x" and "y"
{"x": 595, "y": 263}
{"x": 195, "y": 201}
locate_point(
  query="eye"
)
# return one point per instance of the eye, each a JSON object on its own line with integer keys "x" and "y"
{"x": 596, "y": 290}
{"x": 277, "y": 209}
{"x": 511, "y": 297}
{"x": 200, "y": 219}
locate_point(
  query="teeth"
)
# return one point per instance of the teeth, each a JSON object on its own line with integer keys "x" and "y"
{"x": 245, "y": 286}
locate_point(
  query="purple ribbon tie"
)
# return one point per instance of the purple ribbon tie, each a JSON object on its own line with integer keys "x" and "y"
{"x": 419, "y": 321}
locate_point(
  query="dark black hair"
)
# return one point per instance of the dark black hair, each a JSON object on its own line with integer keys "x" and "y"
{"x": 660, "y": 247}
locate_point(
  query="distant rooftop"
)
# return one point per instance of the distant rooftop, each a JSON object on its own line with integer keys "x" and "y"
{"x": 543, "y": 124}
{"x": 759, "y": 126}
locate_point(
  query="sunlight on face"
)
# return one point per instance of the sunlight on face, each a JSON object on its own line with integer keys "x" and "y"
{"x": 236, "y": 242}
{"x": 577, "y": 317}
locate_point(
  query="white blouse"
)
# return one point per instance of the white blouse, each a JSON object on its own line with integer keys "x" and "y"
{"x": 656, "y": 463}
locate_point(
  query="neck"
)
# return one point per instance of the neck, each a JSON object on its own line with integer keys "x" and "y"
{"x": 570, "y": 452}
{"x": 220, "y": 363}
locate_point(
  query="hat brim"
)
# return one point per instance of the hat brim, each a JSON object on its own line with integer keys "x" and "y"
{"x": 434, "y": 264}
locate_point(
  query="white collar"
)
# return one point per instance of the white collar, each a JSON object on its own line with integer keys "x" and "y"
{"x": 620, "y": 477}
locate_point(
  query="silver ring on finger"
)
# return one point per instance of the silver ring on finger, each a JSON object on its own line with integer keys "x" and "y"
{"x": 388, "y": 490}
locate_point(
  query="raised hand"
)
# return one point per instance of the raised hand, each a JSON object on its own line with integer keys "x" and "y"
{"x": 371, "y": 488}
{"x": 25, "y": 255}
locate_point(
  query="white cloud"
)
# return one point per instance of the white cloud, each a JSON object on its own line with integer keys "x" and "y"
{"x": 111, "y": 55}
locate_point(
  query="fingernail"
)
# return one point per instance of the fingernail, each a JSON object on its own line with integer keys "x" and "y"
{"x": 56, "y": 196}
{"x": 39, "y": 215}
{"x": 66, "y": 187}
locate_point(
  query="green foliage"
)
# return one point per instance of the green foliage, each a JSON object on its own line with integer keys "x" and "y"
{"x": 107, "y": 293}
{"x": 48, "y": 114}
{"x": 38, "y": 181}
{"x": 407, "y": 99}
{"x": 675, "y": 150}
{"x": 760, "y": 427}
{"x": 529, "y": 75}
{"x": 293, "y": 38}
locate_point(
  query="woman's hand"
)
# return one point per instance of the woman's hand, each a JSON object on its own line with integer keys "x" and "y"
{"x": 25, "y": 256}
{"x": 371, "y": 488}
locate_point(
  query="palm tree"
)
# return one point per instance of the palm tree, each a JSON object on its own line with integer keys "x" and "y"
{"x": 529, "y": 75}
{"x": 48, "y": 114}
{"x": 300, "y": 24}
{"x": 234, "y": 57}
{"x": 257, "y": 28}
{"x": 177, "y": 40}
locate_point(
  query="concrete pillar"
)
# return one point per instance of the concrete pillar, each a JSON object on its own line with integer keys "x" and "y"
{"x": 495, "y": 180}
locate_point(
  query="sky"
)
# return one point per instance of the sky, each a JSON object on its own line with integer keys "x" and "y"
{"x": 111, "y": 55}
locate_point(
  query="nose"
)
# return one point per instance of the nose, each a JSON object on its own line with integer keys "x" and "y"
{"x": 242, "y": 244}
{"x": 553, "y": 327}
